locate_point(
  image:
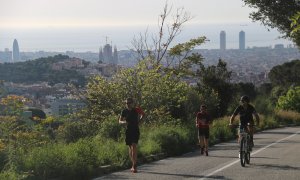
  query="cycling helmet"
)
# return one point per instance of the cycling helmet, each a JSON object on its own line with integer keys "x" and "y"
{"x": 245, "y": 99}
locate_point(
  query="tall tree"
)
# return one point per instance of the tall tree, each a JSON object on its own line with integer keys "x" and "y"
{"x": 286, "y": 74}
{"x": 277, "y": 14}
{"x": 216, "y": 79}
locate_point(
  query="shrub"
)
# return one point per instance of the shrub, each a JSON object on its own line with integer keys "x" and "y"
{"x": 110, "y": 152}
{"x": 290, "y": 101}
{"x": 72, "y": 131}
{"x": 220, "y": 131}
{"x": 11, "y": 175}
{"x": 110, "y": 128}
{"x": 267, "y": 122}
{"x": 80, "y": 159}
{"x": 46, "y": 161}
{"x": 287, "y": 117}
{"x": 170, "y": 140}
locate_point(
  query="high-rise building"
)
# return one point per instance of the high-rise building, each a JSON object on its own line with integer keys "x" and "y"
{"x": 223, "y": 40}
{"x": 115, "y": 56}
{"x": 100, "y": 55}
{"x": 16, "y": 52}
{"x": 242, "y": 42}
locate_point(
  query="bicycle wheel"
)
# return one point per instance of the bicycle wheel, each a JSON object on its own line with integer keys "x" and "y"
{"x": 242, "y": 152}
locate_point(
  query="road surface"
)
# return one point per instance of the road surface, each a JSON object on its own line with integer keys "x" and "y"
{"x": 274, "y": 156}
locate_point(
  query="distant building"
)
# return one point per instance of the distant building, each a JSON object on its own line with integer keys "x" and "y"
{"x": 106, "y": 55}
{"x": 242, "y": 43}
{"x": 115, "y": 56}
{"x": 100, "y": 55}
{"x": 63, "y": 107}
{"x": 5, "y": 56}
{"x": 279, "y": 46}
{"x": 16, "y": 52}
{"x": 222, "y": 40}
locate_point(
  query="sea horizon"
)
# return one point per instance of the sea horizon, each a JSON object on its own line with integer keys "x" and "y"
{"x": 90, "y": 39}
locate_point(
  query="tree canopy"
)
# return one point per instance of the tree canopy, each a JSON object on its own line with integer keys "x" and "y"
{"x": 39, "y": 70}
{"x": 290, "y": 101}
{"x": 278, "y": 14}
{"x": 286, "y": 74}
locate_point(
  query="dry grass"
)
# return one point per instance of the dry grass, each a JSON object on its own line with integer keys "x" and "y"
{"x": 288, "y": 117}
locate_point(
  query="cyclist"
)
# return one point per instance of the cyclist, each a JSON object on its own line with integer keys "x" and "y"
{"x": 246, "y": 112}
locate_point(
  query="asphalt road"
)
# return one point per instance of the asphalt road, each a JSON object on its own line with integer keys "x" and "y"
{"x": 274, "y": 156}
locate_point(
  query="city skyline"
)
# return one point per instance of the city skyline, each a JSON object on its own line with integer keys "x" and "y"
{"x": 81, "y": 26}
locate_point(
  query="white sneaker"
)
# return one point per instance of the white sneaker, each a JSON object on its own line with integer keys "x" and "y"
{"x": 239, "y": 156}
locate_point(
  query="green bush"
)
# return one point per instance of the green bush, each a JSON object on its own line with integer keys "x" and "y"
{"x": 220, "y": 131}
{"x": 72, "y": 131}
{"x": 167, "y": 139}
{"x": 46, "y": 161}
{"x": 110, "y": 152}
{"x": 267, "y": 122}
{"x": 11, "y": 175}
{"x": 110, "y": 128}
{"x": 80, "y": 159}
{"x": 290, "y": 101}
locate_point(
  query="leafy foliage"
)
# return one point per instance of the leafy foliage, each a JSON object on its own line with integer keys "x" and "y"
{"x": 156, "y": 92}
{"x": 39, "y": 70}
{"x": 291, "y": 101}
{"x": 280, "y": 14}
{"x": 286, "y": 74}
{"x": 216, "y": 79}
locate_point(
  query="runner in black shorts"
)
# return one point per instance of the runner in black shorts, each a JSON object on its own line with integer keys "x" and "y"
{"x": 131, "y": 117}
{"x": 202, "y": 122}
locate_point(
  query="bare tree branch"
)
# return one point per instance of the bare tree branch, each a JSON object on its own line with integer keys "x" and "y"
{"x": 157, "y": 51}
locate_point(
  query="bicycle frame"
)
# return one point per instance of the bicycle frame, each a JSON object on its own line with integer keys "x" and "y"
{"x": 244, "y": 147}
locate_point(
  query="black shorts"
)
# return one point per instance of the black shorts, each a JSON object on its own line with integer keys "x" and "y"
{"x": 203, "y": 132}
{"x": 132, "y": 136}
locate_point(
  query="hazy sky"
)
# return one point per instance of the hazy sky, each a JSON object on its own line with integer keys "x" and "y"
{"x": 58, "y": 13}
{"x": 83, "y": 25}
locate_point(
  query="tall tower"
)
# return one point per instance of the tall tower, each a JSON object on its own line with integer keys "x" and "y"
{"x": 242, "y": 40}
{"x": 16, "y": 52}
{"x": 100, "y": 55}
{"x": 222, "y": 40}
{"x": 115, "y": 56}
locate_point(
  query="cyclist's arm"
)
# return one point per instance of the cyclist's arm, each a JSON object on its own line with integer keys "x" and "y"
{"x": 232, "y": 119}
{"x": 256, "y": 118}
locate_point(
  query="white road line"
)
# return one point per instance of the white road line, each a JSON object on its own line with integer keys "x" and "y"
{"x": 236, "y": 161}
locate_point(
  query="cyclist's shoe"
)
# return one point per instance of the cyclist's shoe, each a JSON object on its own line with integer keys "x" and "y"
{"x": 239, "y": 155}
{"x": 202, "y": 150}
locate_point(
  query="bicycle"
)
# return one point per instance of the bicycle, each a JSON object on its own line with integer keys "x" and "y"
{"x": 245, "y": 147}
